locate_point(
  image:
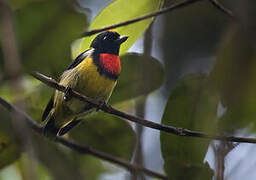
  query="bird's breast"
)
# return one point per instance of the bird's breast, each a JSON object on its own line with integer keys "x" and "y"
{"x": 110, "y": 63}
{"x": 93, "y": 84}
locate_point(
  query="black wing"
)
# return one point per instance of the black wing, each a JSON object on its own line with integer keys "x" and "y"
{"x": 47, "y": 109}
{"x": 77, "y": 61}
{"x": 80, "y": 58}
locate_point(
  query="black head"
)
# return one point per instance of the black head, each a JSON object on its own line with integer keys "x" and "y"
{"x": 108, "y": 42}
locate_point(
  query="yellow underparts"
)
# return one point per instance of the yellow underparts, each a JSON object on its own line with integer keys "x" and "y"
{"x": 85, "y": 79}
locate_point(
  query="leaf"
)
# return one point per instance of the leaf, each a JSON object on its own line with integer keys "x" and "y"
{"x": 45, "y": 30}
{"x": 9, "y": 150}
{"x": 234, "y": 77}
{"x": 140, "y": 75}
{"x": 31, "y": 91}
{"x": 106, "y": 133}
{"x": 192, "y": 105}
{"x": 57, "y": 160}
{"x": 116, "y": 12}
{"x": 190, "y": 36}
{"x": 91, "y": 167}
{"x": 18, "y": 4}
{"x": 192, "y": 31}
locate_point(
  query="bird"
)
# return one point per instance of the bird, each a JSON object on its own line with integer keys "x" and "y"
{"x": 94, "y": 73}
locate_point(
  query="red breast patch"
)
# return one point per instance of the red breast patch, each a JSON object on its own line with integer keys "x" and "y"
{"x": 110, "y": 63}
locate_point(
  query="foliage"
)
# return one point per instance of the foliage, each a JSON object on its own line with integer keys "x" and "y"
{"x": 191, "y": 105}
{"x": 44, "y": 40}
{"x": 116, "y": 12}
{"x": 196, "y": 38}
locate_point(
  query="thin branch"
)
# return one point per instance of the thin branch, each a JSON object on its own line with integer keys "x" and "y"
{"x": 79, "y": 148}
{"x": 109, "y": 109}
{"x": 150, "y": 15}
{"x": 157, "y": 13}
{"x": 220, "y": 7}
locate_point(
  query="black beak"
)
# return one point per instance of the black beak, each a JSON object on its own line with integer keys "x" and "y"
{"x": 121, "y": 39}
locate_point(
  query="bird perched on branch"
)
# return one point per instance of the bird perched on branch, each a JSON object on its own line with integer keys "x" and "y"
{"x": 93, "y": 73}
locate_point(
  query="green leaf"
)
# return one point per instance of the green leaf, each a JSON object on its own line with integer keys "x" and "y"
{"x": 140, "y": 75}
{"x": 31, "y": 91}
{"x": 192, "y": 105}
{"x": 192, "y": 31}
{"x": 234, "y": 76}
{"x": 45, "y": 30}
{"x": 58, "y": 161}
{"x": 91, "y": 167}
{"x": 116, "y": 12}
{"x": 9, "y": 150}
{"x": 106, "y": 133}
{"x": 18, "y": 4}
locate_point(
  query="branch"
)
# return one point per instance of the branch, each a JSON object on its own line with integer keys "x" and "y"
{"x": 109, "y": 109}
{"x": 150, "y": 15}
{"x": 81, "y": 149}
{"x": 220, "y": 7}
{"x": 157, "y": 13}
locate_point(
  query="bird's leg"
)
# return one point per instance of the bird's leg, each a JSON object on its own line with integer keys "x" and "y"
{"x": 102, "y": 104}
{"x": 67, "y": 94}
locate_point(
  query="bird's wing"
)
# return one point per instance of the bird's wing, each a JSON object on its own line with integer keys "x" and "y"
{"x": 47, "y": 109}
{"x": 77, "y": 61}
{"x": 80, "y": 58}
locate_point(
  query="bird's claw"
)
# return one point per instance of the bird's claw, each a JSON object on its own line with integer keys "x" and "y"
{"x": 102, "y": 104}
{"x": 67, "y": 93}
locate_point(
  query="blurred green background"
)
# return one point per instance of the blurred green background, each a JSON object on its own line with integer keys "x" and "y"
{"x": 192, "y": 68}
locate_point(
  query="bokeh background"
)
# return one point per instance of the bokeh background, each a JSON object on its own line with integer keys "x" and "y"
{"x": 192, "y": 67}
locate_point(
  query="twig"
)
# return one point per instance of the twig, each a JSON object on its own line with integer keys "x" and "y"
{"x": 79, "y": 148}
{"x": 219, "y": 6}
{"x": 157, "y": 13}
{"x": 150, "y": 15}
{"x": 109, "y": 109}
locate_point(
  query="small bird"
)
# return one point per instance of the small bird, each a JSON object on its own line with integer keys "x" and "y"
{"x": 93, "y": 73}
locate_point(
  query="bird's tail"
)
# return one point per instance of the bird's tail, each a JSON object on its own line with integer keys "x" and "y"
{"x": 50, "y": 129}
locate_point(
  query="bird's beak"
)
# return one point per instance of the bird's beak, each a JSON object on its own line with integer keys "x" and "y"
{"x": 121, "y": 39}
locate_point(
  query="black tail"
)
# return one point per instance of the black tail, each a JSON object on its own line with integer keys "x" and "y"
{"x": 50, "y": 129}
{"x": 68, "y": 127}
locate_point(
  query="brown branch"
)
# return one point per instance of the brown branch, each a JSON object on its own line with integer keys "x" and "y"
{"x": 220, "y": 7}
{"x": 150, "y": 15}
{"x": 79, "y": 148}
{"x": 157, "y": 13}
{"x": 109, "y": 109}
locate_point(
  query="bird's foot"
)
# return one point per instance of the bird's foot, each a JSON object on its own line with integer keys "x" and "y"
{"x": 102, "y": 104}
{"x": 67, "y": 93}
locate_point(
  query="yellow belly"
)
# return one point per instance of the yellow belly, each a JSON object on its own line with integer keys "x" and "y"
{"x": 86, "y": 80}
{"x": 91, "y": 83}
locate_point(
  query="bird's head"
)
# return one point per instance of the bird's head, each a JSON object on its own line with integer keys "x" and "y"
{"x": 108, "y": 42}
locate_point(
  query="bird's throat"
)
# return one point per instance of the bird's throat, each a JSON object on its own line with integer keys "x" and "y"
{"x": 110, "y": 63}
